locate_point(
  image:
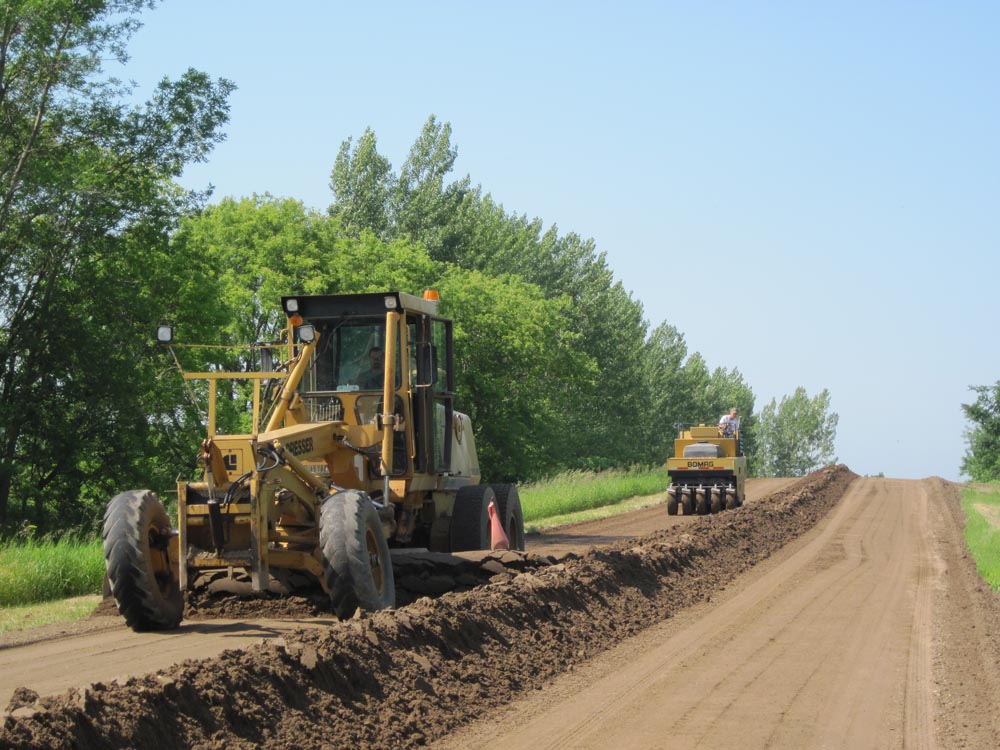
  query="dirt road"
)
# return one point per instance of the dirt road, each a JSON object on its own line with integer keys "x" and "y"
{"x": 842, "y": 612}
{"x": 832, "y": 645}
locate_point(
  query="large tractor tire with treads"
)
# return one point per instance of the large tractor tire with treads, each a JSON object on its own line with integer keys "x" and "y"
{"x": 470, "y": 518}
{"x": 357, "y": 567}
{"x": 142, "y": 576}
{"x": 509, "y": 508}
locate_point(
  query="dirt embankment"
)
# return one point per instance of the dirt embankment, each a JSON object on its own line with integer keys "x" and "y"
{"x": 405, "y": 678}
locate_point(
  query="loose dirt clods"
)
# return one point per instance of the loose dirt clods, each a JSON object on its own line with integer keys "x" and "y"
{"x": 404, "y": 678}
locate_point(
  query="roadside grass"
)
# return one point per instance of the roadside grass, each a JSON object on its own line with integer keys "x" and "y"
{"x": 565, "y": 495}
{"x": 42, "y": 570}
{"x": 594, "y": 514}
{"x": 982, "y": 529}
{"x": 47, "y": 613}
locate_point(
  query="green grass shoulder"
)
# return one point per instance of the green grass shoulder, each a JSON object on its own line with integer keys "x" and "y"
{"x": 982, "y": 529}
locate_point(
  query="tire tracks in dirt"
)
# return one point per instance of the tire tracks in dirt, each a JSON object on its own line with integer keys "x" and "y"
{"x": 830, "y": 644}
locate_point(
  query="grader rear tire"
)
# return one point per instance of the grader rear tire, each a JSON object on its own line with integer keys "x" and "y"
{"x": 470, "y": 518}
{"x": 509, "y": 508}
{"x": 142, "y": 576}
{"x": 357, "y": 567}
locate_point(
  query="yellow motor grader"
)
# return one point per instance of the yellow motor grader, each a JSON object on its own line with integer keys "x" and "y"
{"x": 708, "y": 471}
{"x": 361, "y": 451}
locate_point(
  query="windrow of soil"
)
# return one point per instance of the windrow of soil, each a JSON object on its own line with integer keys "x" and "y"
{"x": 404, "y": 678}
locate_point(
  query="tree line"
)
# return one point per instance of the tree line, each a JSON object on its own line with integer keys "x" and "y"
{"x": 557, "y": 365}
{"x": 981, "y": 462}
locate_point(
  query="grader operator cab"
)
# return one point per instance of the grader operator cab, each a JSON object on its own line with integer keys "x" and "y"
{"x": 708, "y": 471}
{"x": 362, "y": 450}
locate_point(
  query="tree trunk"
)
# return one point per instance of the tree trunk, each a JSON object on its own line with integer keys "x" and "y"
{"x": 7, "y": 470}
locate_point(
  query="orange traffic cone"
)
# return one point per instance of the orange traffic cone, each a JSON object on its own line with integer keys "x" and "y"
{"x": 498, "y": 537}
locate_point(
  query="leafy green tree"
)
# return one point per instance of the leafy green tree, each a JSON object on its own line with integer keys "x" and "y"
{"x": 263, "y": 248}
{"x": 513, "y": 359}
{"x": 682, "y": 391}
{"x": 795, "y": 436}
{"x": 982, "y": 456}
{"x": 367, "y": 264}
{"x": 664, "y": 358}
{"x": 608, "y": 421}
{"x": 724, "y": 390}
{"x": 481, "y": 234}
{"x": 516, "y": 366}
{"x": 81, "y": 175}
{"x": 607, "y": 322}
{"x": 363, "y": 185}
{"x": 422, "y": 205}
{"x": 257, "y": 250}
{"x": 462, "y": 227}
{"x": 635, "y": 386}
{"x": 516, "y": 372}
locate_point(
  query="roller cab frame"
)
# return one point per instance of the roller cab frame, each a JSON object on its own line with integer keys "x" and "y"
{"x": 707, "y": 471}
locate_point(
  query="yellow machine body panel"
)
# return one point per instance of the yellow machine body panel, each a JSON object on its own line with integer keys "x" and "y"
{"x": 353, "y": 445}
{"x": 260, "y": 497}
{"x": 707, "y": 471}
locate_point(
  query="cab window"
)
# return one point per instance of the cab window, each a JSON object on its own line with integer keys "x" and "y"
{"x": 351, "y": 357}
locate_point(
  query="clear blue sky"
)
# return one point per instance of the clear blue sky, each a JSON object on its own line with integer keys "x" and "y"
{"x": 808, "y": 191}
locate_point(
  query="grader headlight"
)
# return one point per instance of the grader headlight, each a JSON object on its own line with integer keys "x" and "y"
{"x": 307, "y": 334}
{"x": 165, "y": 334}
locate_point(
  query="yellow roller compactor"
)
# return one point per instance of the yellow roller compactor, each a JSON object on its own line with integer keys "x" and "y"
{"x": 708, "y": 471}
{"x": 361, "y": 451}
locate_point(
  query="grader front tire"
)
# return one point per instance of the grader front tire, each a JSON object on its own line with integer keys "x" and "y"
{"x": 142, "y": 577}
{"x": 357, "y": 566}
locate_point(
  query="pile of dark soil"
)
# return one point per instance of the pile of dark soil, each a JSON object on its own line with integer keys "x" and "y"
{"x": 404, "y": 678}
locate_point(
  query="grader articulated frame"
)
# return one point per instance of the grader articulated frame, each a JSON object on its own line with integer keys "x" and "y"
{"x": 351, "y": 461}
